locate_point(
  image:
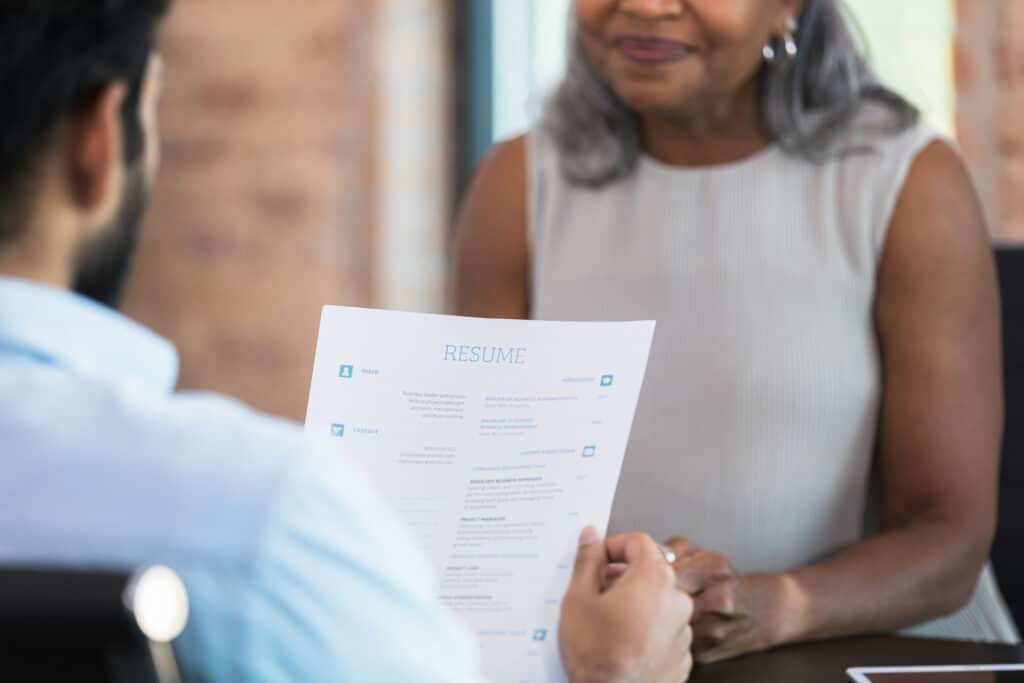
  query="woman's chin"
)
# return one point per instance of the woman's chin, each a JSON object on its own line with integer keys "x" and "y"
{"x": 655, "y": 96}
{"x": 652, "y": 102}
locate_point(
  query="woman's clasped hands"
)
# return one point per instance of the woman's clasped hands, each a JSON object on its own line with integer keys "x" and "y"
{"x": 734, "y": 614}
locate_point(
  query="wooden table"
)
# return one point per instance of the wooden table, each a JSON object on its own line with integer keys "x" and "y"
{"x": 827, "y": 662}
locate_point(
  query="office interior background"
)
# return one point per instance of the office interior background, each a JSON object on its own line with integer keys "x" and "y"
{"x": 314, "y": 153}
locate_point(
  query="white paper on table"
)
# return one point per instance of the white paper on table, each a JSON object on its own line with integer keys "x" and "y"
{"x": 498, "y": 441}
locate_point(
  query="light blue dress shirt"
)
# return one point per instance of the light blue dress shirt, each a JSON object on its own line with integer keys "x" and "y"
{"x": 295, "y": 569}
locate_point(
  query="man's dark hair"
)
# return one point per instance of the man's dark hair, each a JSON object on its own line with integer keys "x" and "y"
{"x": 55, "y": 57}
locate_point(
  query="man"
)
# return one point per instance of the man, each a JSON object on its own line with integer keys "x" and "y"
{"x": 296, "y": 571}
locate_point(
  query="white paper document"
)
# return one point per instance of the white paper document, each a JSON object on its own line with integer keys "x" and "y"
{"x": 498, "y": 441}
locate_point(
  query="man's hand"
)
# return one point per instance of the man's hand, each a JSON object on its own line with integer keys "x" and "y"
{"x": 637, "y": 629}
{"x": 733, "y": 614}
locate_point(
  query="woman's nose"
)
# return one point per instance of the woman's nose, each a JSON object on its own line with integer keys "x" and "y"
{"x": 652, "y": 9}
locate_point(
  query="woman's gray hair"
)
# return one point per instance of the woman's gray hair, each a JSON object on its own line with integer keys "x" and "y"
{"x": 809, "y": 101}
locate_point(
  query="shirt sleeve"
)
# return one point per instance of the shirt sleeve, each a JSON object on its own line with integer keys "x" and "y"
{"x": 342, "y": 592}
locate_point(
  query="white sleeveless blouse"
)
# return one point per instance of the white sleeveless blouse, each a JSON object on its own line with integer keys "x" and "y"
{"x": 756, "y": 427}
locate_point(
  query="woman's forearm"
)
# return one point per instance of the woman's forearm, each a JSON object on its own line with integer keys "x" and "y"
{"x": 910, "y": 573}
{"x": 890, "y": 581}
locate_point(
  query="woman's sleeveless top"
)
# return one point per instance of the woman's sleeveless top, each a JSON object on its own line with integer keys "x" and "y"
{"x": 756, "y": 428}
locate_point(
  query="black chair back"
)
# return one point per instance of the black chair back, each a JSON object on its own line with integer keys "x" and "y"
{"x": 1008, "y": 549}
{"x": 62, "y": 625}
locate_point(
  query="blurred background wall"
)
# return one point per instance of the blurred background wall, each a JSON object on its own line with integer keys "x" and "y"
{"x": 314, "y": 148}
{"x": 306, "y": 162}
{"x": 990, "y": 113}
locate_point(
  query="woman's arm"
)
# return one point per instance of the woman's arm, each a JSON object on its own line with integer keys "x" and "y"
{"x": 491, "y": 249}
{"x": 937, "y": 318}
{"x": 937, "y": 314}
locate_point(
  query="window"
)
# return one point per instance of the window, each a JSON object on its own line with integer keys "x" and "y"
{"x": 910, "y": 46}
{"x": 530, "y": 39}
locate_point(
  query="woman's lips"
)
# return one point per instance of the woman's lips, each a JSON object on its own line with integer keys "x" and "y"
{"x": 653, "y": 50}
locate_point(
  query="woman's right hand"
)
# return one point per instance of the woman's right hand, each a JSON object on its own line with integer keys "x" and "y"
{"x": 635, "y": 630}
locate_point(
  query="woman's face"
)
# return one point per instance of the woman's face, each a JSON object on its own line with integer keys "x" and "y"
{"x": 679, "y": 57}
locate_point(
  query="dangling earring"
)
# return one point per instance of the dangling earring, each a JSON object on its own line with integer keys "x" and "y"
{"x": 792, "y": 49}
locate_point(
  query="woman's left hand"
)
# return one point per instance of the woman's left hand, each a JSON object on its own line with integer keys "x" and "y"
{"x": 733, "y": 614}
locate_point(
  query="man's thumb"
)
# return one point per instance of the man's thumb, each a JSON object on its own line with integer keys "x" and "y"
{"x": 591, "y": 560}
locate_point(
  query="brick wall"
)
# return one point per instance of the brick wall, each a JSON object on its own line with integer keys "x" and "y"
{"x": 990, "y": 120}
{"x": 266, "y": 206}
{"x": 1011, "y": 124}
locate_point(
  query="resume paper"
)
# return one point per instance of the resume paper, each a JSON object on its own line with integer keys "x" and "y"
{"x": 497, "y": 441}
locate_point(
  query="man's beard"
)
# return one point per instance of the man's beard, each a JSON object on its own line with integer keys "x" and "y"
{"x": 103, "y": 261}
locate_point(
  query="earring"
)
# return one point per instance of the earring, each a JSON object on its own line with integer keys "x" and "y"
{"x": 789, "y": 45}
{"x": 792, "y": 49}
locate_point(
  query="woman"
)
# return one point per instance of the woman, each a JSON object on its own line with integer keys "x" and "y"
{"x": 822, "y": 412}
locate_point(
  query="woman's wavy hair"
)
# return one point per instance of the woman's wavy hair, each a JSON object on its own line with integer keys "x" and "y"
{"x": 808, "y": 101}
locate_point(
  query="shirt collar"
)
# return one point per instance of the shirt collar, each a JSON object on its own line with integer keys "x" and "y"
{"x": 59, "y": 327}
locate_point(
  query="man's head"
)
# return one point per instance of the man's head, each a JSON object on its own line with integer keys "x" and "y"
{"x": 79, "y": 82}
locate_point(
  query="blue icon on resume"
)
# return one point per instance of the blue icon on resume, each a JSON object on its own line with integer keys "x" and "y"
{"x": 589, "y": 451}
{"x": 540, "y": 635}
{"x": 607, "y": 380}
{"x": 337, "y": 431}
{"x": 345, "y": 372}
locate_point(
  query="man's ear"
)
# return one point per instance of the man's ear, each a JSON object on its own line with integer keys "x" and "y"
{"x": 94, "y": 151}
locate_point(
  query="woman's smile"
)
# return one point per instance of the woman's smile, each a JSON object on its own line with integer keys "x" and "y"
{"x": 652, "y": 51}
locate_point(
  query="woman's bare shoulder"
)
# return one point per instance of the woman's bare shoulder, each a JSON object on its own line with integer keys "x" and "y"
{"x": 495, "y": 203}
{"x": 491, "y": 245}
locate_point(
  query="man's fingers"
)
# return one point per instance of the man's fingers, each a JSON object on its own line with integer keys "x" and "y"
{"x": 685, "y": 639}
{"x": 591, "y": 562}
{"x": 685, "y": 605}
{"x": 615, "y": 570}
{"x": 633, "y": 549}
